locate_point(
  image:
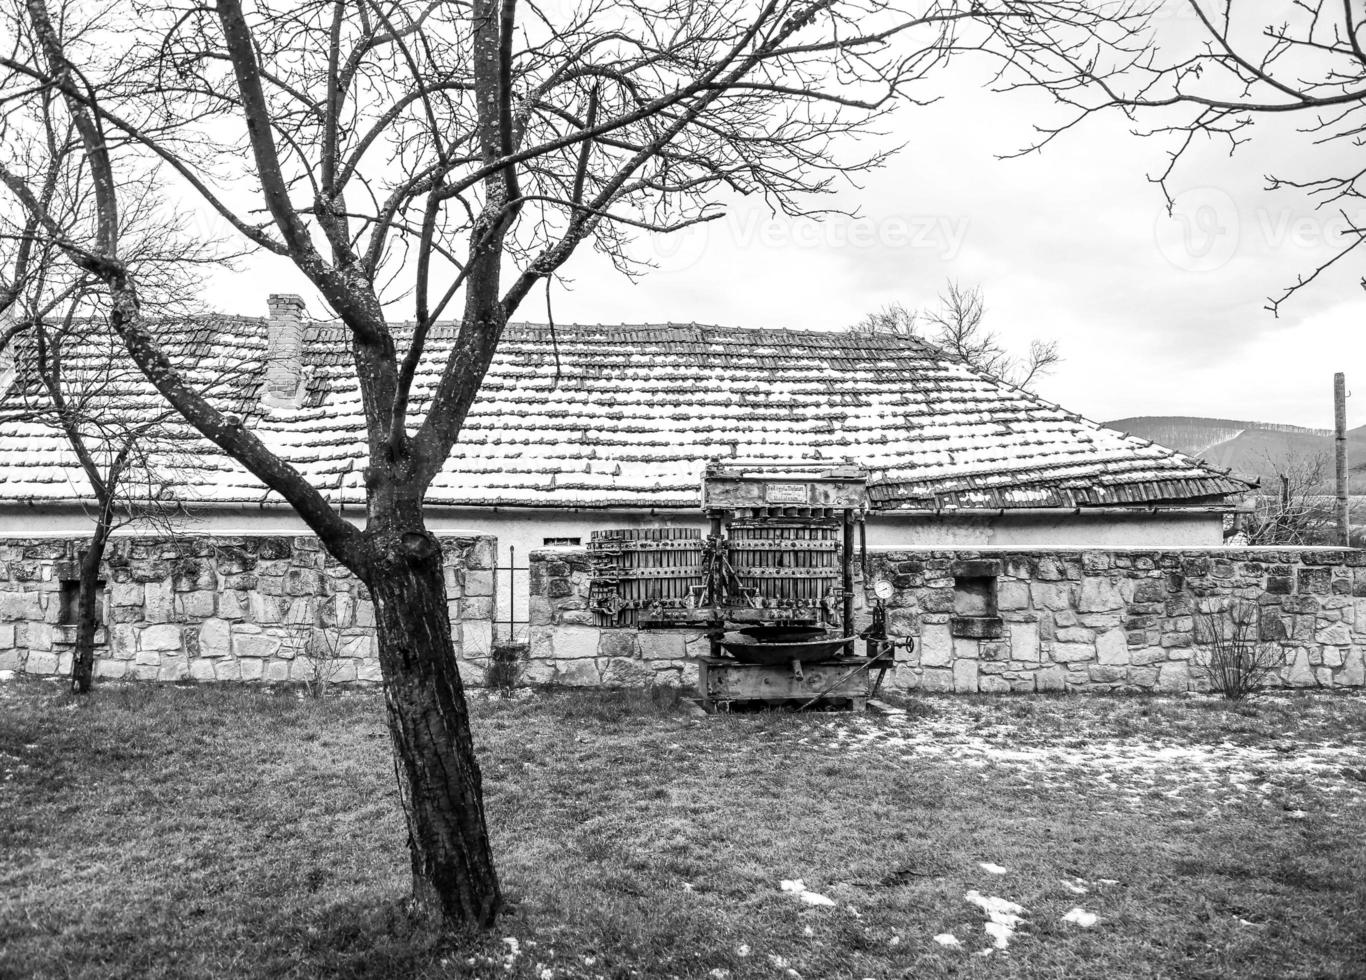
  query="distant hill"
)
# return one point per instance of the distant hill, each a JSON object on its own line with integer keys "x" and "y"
{"x": 1250, "y": 448}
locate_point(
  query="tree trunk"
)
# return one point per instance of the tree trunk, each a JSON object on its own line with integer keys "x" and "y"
{"x": 87, "y": 620}
{"x": 439, "y": 783}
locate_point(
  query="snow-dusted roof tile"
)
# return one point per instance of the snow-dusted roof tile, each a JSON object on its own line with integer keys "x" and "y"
{"x": 630, "y": 414}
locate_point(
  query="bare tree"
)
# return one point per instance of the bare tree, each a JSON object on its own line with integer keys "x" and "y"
{"x": 66, "y": 376}
{"x": 1290, "y": 510}
{"x": 956, "y": 327}
{"x": 452, "y": 158}
{"x": 1251, "y": 60}
{"x": 68, "y": 366}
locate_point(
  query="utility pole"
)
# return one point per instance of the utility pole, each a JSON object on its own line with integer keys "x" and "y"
{"x": 1340, "y": 444}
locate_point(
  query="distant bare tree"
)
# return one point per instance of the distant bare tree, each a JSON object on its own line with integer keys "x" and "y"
{"x": 1288, "y": 511}
{"x": 1251, "y": 60}
{"x": 956, "y": 326}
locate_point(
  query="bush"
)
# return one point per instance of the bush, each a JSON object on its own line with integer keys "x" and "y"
{"x": 1239, "y": 663}
{"x": 505, "y": 667}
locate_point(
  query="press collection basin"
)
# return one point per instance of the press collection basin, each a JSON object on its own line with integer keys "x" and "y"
{"x": 783, "y": 644}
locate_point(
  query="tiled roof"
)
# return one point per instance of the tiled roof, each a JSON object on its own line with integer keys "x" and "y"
{"x": 636, "y": 412}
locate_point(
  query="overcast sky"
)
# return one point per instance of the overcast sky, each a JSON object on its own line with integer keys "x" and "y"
{"x": 1154, "y": 315}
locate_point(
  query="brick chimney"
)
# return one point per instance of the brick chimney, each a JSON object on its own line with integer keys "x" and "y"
{"x": 284, "y": 350}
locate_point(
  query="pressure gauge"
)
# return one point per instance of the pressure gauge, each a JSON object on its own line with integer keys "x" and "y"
{"x": 882, "y": 589}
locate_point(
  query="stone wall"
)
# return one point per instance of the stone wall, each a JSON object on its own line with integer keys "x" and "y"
{"x": 1007, "y": 620}
{"x": 223, "y": 608}
{"x": 1110, "y": 620}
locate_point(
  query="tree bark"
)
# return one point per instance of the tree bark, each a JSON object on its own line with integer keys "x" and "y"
{"x": 87, "y": 620}
{"x": 439, "y": 782}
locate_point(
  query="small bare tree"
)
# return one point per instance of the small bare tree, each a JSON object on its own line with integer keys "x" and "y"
{"x": 1239, "y": 662}
{"x": 69, "y": 370}
{"x": 1289, "y": 512}
{"x": 956, "y": 326}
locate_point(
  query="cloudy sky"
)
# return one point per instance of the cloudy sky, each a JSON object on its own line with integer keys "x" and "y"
{"x": 1154, "y": 314}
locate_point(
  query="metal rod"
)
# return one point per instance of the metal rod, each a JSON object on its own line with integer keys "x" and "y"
{"x": 848, "y": 580}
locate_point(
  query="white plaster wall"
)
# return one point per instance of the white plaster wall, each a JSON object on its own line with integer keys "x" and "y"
{"x": 1199, "y": 530}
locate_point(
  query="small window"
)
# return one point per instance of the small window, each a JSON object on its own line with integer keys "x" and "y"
{"x": 561, "y": 542}
{"x": 974, "y": 599}
{"x": 69, "y": 612}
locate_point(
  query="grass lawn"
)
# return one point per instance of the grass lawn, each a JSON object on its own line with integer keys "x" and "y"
{"x": 212, "y": 832}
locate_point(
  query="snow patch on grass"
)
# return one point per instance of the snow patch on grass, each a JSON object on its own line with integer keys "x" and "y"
{"x": 1003, "y": 916}
{"x": 1081, "y": 917}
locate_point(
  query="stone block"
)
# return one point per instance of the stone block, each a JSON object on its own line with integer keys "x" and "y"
{"x": 110, "y": 670}
{"x": 478, "y": 582}
{"x": 936, "y": 680}
{"x": 37, "y": 636}
{"x": 1333, "y": 634}
{"x": 618, "y": 643}
{"x": 302, "y": 582}
{"x": 660, "y": 644}
{"x": 1070, "y": 653}
{"x": 1074, "y": 634}
{"x": 1353, "y": 671}
{"x": 232, "y": 605}
{"x": 1012, "y": 595}
{"x": 41, "y": 662}
{"x": 368, "y": 671}
{"x": 965, "y": 649}
{"x": 1299, "y": 673}
{"x": 626, "y": 672}
{"x": 1052, "y": 595}
{"x": 1050, "y": 679}
{"x": 163, "y": 636}
{"x": 124, "y": 594}
{"x": 1112, "y": 648}
{"x": 302, "y": 611}
{"x": 20, "y": 606}
{"x": 977, "y": 627}
{"x": 936, "y": 646}
{"x": 276, "y": 671}
{"x": 266, "y": 608}
{"x": 1024, "y": 642}
{"x": 1174, "y": 676}
{"x": 194, "y": 575}
{"x": 476, "y": 638}
{"x": 990, "y": 684}
{"x": 253, "y": 646}
{"x": 1147, "y": 655}
{"x": 577, "y": 673}
{"x": 1144, "y": 677}
{"x": 477, "y": 607}
{"x": 1106, "y": 674}
{"x": 159, "y": 604}
{"x": 202, "y": 670}
{"x": 194, "y": 606}
{"x": 173, "y": 669}
{"x": 1099, "y": 595}
{"x": 964, "y": 676}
